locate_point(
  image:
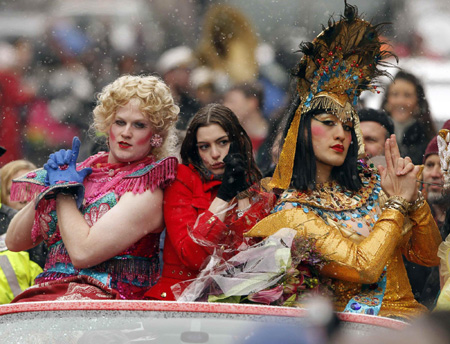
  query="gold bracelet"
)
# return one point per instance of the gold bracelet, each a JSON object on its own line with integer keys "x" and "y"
{"x": 397, "y": 203}
{"x": 397, "y": 207}
{"x": 413, "y": 206}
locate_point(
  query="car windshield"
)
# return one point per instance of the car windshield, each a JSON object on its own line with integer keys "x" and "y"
{"x": 134, "y": 327}
{"x": 159, "y": 326}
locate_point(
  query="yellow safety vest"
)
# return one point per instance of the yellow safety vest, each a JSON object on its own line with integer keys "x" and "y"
{"x": 17, "y": 273}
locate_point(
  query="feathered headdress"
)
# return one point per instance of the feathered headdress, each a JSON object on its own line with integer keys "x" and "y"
{"x": 336, "y": 67}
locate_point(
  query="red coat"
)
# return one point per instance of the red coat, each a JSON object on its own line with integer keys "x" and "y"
{"x": 184, "y": 201}
{"x": 12, "y": 98}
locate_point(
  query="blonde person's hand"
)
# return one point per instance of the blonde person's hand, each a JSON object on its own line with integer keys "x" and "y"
{"x": 398, "y": 178}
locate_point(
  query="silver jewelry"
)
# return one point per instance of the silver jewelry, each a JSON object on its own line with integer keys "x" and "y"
{"x": 240, "y": 212}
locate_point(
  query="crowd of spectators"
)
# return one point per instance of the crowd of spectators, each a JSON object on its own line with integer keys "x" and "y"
{"x": 47, "y": 94}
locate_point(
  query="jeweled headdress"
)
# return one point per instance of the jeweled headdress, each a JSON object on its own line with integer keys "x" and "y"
{"x": 336, "y": 67}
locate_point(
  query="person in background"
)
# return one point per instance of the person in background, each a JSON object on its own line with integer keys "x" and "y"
{"x": 214, "y": 199}
{"x": 230, "y": 48}
{"x": 202, "y": 80}
{"x": 14, "y": 96}
{"x": 10, "y": 171}
{"x": 227, "y": 46}
{"x": 246, "y": 100}
{"x": 17, "y": 271}
{"x": 376, "y": 127}
{"x": 15, "y": 169}
{"x": 269, "y": 151}
{"x": 6, "y": 213}
{"x": 405, "y": 102}
{"x": 101, "y": 219}
{"x": 433, "y": 181}
{"x": 175, "y": 66}
{"x": 424, "y": 281}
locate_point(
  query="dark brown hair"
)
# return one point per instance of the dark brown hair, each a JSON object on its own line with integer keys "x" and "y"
{"x": 424, "y": 114}
{"x": 304, "y": 169}
{"x": 227, "y": 120}
{"x": 251, "y": 90}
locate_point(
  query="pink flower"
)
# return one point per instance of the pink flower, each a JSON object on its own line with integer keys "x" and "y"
{"x": 267, "y": 296}
{"x": 31, "y": 175}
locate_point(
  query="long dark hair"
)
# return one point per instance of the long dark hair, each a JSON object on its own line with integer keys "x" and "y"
{"x": 304, "y": 171}
{"x": 424, "y": 114}
{"x": 227, "y": 120}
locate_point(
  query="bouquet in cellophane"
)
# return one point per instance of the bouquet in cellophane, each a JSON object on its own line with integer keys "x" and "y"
{"x": 281, "y": 270}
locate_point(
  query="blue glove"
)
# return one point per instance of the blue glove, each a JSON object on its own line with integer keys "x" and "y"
{"x": 62, "y": 175}
{"x": 61, "y": 167}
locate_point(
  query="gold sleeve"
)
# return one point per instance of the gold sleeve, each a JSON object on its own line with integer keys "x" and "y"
{"x": 423, "y": 245}
{"x": 443, "y": 301}
{"x": 360, "y": 262}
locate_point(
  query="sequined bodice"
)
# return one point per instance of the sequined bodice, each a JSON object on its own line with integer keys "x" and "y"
{"x": 352, "y": 211}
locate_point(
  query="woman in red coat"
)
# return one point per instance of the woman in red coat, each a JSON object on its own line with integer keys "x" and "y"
{"x": 214, "y": 199}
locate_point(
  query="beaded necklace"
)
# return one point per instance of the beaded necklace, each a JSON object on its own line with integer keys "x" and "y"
{"x": 354, "y": 211}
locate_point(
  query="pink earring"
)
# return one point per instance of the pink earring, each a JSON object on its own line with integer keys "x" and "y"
{"x": 156, "y": 141}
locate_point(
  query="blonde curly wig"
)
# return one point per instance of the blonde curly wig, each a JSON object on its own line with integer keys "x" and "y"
{"x": 156, "y": 104}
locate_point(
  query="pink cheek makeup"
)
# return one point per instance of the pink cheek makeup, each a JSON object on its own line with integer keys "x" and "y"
{"x": 317, "y": 131}
{"x": 112, "y": 137}
{"x": 145, "y": 139}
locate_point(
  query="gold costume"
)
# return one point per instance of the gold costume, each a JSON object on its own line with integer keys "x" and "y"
{"x": 357, "y": 259}
{"x": 350, "y": 228}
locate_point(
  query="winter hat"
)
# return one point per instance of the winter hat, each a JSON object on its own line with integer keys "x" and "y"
{"x": 432, "y": 147}
{"x": 379, "y": 116}
{"x": 180, "y": 56}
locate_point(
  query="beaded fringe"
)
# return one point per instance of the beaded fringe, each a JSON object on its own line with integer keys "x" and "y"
{"x": 25, "y": 191}
{"x": 141, "y": 272}
{"x": 158, "y": 176}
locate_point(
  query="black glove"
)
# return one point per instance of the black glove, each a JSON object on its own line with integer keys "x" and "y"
{"x": 234, "y": 177}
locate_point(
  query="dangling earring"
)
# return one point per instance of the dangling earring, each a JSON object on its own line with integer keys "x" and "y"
{"x": 156, "y": 141}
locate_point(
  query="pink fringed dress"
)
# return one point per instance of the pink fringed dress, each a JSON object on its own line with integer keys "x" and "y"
{"x": 134, "y": 270}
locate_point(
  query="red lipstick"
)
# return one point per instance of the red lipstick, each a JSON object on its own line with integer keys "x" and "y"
{"x": 338, "y": 148}
{"x": 124, "y": 145}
